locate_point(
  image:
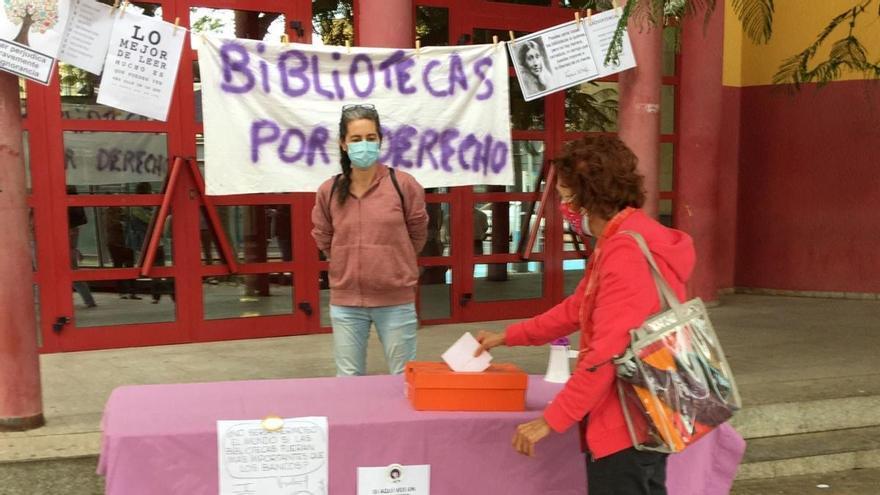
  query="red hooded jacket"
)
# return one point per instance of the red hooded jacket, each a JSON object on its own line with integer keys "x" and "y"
{"x": 617, "y": 294}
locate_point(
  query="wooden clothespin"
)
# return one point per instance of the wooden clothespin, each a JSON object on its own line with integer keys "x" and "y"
{"x": 176, "y": 24}
{"x": 589, "y": 16}
{"x": 577, "y": 18}
{"x": 512, "y": 37}
{"x": 348, "y": 46}
{"x": 116, "y": 5}
{"x": 418, "y": 47}
{"x": 285, "y": 39}
{"x": 615, "y": 4}
{"x": 495, "y": 41}
{"x": 124, "y": 4}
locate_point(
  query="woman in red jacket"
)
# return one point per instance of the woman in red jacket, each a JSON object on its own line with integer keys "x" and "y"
{"x": 601, "y": 193}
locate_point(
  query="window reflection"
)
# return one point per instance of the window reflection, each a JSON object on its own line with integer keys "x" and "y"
{"x": 506, "y": 281}
{"x": 332, "y": 22}
{"x": 115, "y": 162}
{"x": 432, "y": 26}
{"x": 592, "y": 107}
{"x": 258, "y": 234}
{"x": 239, "y": 296}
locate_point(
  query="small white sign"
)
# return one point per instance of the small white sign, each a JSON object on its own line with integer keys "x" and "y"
{"x": 141, "y": 65}
{"x": 553, "y": 59}
{"x": 460, "y": 357}
{"x": 30, "y": 36}
{"x": 600, "y": 29}
{"x": 292, "y": 458}
{"x": 87, "y": 37}
{"x": 394, "y": 479}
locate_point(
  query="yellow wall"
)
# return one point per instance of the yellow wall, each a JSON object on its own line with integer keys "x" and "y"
{"x": 796, "y": 24}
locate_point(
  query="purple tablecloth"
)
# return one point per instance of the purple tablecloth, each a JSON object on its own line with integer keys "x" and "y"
{"x": 162, "y": 439}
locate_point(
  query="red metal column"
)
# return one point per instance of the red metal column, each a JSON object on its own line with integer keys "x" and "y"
{"x": 639, "y": 118}
{"x": 21, "y": 402}
{"x": 700, "y": 153}
{"x": 385, "y": 23}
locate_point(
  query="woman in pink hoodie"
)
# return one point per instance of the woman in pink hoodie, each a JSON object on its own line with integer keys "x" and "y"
{"x": 601, "y": 193}
{"x": 371, "y": 223}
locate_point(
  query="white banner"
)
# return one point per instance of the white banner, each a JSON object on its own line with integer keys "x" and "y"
{"x": 141, "y": 66}
{"x": 271, "y": 113}
{"x": 30, "y": 36}
{"x": 96, "y": 158}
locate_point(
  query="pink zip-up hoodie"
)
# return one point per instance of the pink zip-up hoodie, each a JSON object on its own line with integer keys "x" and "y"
{"x": 372, "y": 241}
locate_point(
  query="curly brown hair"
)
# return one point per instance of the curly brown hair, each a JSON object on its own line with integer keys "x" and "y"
{"x": 601, "y": 173}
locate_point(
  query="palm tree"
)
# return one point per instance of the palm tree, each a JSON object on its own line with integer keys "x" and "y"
{"x": 847, "y": 53}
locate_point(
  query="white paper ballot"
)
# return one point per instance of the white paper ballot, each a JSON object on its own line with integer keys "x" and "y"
{"x": 460, "y": 357}
{"x": 411, "y": 480}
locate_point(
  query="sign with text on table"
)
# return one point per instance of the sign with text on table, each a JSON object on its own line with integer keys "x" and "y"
{"x": 394, "y": 479}
{"x": 290, "y": 459}
{"x": 568, "y": 54}
{"x": 271, "y": 113}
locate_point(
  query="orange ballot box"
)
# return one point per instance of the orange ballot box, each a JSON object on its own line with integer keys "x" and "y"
{"x": 435, "y": 387}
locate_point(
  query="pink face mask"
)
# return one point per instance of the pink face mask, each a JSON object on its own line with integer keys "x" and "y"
{"x": 580, "y": 223}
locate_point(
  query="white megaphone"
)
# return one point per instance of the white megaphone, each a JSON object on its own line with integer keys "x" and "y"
{"x": 558, "y": 369}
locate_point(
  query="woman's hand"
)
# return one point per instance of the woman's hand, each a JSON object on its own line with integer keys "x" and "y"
{"x": 488, "y": 340}
{"x": 529, "y": 434}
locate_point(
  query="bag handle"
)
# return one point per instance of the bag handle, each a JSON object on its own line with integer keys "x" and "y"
{"x": 667, "y": 295}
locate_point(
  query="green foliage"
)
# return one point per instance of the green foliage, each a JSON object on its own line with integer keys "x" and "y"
{"x": 847, "y": 54}
{"x": 207, "y": 24}
{"x": 756, "y": 17}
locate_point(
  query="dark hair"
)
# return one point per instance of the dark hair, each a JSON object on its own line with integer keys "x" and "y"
{"x": 601, "y": 173}
{"x": 350, "y": 114}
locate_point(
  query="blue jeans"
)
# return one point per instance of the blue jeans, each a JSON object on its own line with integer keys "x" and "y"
{"x": 396, "y": 326}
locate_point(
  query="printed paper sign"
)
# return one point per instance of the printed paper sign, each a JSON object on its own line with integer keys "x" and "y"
{"x": 568, "y": 55}
{"x": 141, "y": 65}
{"x": 460, "y": 357}
{"x": 271, "y": 113}
{"x": 600, "y": 29}
{"x": 394, "y": 479}
{"x": 552, "y": 59}
{"x": 30, "y": 36}
{"x": 291, "y": 459}
{"x": 87, "y": 37}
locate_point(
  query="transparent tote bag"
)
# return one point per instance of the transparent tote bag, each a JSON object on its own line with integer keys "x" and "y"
{"x": 674, "y": 383}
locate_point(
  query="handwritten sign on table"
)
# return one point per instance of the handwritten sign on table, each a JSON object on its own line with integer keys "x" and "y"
{"x": 291, "y": 459}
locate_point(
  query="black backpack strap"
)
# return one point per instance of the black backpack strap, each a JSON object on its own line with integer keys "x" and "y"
{"x": 330, "y": 198}
{"x": 399, "y": 192}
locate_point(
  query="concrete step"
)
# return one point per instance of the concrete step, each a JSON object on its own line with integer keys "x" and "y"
{"x": 811, "y": 453}
{"x": 791, "y": 418}
{"x": 854, "y": 482}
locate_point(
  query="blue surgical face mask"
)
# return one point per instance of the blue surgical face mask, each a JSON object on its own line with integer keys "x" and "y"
{"x": 363, "y": 154}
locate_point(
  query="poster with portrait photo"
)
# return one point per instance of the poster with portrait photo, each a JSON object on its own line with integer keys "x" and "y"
{"x": 553, "y": 59}
{"x": 30, "y": 36}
